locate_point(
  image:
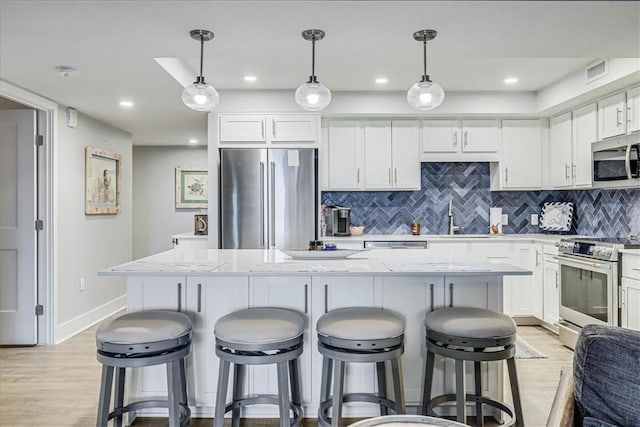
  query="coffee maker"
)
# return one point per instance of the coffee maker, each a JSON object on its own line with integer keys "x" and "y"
{"x": 341, "y": 221}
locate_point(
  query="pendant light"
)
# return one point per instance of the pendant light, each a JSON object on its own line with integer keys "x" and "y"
{"x": 425, "y": 95}
{"x": 313, "y": 95}
{"x": 199, "y": 95}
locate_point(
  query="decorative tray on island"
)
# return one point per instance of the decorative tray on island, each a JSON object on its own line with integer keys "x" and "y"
{"x": 332, "y": 254}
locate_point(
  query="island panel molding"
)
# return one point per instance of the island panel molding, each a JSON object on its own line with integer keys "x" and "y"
{"x": 191, "y": 188}
{"x": 103, "y": 182}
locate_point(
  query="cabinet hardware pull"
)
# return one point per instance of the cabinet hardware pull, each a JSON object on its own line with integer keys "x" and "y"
{"x": 179, "y": 296}
{"x": 557, "y": 281}
{"x": 450, "y": 294}
{"x": 199, "y": 297}
{"x": 358, "y": 176}
{"x": 431, "y": 291}
{"x": 629, "y": 115}
{"x": 566, "y": 171}
{"x": 455, "y": 139}
{"x": 262, "y": 133}
{"x": 273, "y": 204}
{"x": 573, "y": 170}
{"x": 395, "y": 174}
{"x": 326, "y": 298}
{"x": 262, "y": 204}
{"x": 506, "y": 175}
{"x": 273, "y": 128}
{"x": 465, "y": 138}
{"x": 618, "y": 117}
{"x": 306, "y": 298}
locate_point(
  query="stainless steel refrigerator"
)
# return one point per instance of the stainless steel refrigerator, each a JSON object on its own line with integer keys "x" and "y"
{"x": 268, "y": 198}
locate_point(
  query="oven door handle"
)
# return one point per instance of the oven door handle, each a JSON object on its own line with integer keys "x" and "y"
{"x": 605, "y": 266}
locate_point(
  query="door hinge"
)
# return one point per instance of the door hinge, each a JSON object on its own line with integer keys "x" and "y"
{"x": 39, "y": 310}
{"x": 39, "y": 140}
{"x": 39, "y": 225}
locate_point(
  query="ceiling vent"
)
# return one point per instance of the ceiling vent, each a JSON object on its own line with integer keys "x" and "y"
{"x": 597, "y": 70}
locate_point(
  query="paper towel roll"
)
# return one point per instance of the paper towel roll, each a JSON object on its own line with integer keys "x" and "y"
{"x": 495, "y": 218}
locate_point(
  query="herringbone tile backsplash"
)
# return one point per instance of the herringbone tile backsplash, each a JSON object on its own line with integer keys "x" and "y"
{"x": 600, "y": 213}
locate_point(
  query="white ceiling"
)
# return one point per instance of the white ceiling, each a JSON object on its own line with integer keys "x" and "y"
{"x": 115, "y": 45}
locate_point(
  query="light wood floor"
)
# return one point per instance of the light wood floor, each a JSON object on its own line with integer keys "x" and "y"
{"x": 58, "y": 385}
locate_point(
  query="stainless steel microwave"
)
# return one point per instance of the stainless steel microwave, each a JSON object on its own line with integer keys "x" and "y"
{"x": 616, "y": 164}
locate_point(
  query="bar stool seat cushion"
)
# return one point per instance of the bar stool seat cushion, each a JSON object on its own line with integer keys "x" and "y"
{"x": 261, "y": 325}
{"x": 144, "y": 327}
{"x": 470, "y": 322}
{"x": 361, "y": 323}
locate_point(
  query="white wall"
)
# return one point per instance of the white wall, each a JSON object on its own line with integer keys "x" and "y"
{"x": 155, "y": 217}
{"x": 85, "y": 244}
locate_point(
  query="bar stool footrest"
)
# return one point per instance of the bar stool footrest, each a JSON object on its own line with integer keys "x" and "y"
{"x": 472, "y": 398}
{"x": 323, "y": 412}
{"x": 185, "y": 411}
{"x": 266, "y": 400}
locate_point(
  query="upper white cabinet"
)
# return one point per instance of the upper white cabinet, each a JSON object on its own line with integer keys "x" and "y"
{"x": 271, "y": 129}
{"x": 521, "y": 162}
{"x": 585, "y": 132}
{"x": 633, "y": 109}
{"x": 373, "y": 155}
{"x": 460, "y": 140}
{"x": 612, "y": 113}
{"x": 560, "y": 151}
{"x": 345, "y": 144}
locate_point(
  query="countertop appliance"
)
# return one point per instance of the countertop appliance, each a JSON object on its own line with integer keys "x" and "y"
{"x": 589, "y": 272}
{"x": 616, "y": 163}
{"x": 268, "y": 198}
{"x": 341, "y": 221}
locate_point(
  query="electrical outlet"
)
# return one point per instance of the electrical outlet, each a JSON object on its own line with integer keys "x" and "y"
{"x": 505, "y": 219}
{"x": 534, "y": 219}
{"x": 81, "y": 284}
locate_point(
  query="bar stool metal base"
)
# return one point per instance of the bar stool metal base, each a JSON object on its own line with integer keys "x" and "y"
{"x": 358, "y": 351}
{"x": 117, "y": 357}
{"x": 284, "y": 355}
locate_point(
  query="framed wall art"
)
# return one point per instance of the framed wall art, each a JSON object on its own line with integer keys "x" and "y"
{"x": 191, "y": 188}
{"x": 102, "y": 182}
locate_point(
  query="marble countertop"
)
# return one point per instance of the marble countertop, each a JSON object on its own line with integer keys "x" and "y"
{"x": 258, "y": 262}
{"x": 543, "y": 238}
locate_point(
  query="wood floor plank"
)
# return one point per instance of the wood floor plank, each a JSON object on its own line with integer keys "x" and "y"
{"x": 59, "y": 385}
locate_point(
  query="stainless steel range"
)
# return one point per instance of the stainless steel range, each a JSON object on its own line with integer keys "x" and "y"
{"x": 589, "y": 283}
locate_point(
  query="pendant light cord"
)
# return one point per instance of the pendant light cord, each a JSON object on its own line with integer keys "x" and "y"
{"x": 201, "y": 79}
{"x": 424, "y": 54}
{"x": 313, "y": 60}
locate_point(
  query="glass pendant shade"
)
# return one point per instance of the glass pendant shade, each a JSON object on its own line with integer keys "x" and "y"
{"x": 200, "y": 97}
{"x": 313, "y": 96}
{"x": 425, "y": 95}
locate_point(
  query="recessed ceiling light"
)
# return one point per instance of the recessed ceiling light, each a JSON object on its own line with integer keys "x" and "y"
{"x": 382, "y": 80}
{"x": 250, "y": 78}
{"x": 511, "y": 80}
{"x": 126, "y": 104}
{"x": 67, "y": 71}
{"x": 193, "y": 141}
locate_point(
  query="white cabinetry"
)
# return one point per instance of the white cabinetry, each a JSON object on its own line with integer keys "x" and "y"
{"x": 560, "y": 148}
{"x": 521, "y": 154}
{"x": 345, "y": 145}
{"x": 633, "y": 109}
{"x": 585, "y": 132}
{"x": 240, "y": 130}
{"x": 551, "y": 283}
{"x": 455, "y": 140}
{"x": 630, "y": 303}
{"x": 373, "y": 155}
{"x": 612, "y": 112}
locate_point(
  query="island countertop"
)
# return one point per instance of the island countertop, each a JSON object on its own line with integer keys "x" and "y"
{"x": 258, "y": 262}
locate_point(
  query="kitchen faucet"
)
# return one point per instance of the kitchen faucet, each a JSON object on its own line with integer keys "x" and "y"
{"x": 452, "y": 228}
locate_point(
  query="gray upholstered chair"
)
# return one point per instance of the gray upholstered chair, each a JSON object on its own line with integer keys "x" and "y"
{"x": 604, "y": 387}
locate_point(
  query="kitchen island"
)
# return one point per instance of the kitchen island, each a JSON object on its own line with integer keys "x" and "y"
{"x": 207, "y": 284}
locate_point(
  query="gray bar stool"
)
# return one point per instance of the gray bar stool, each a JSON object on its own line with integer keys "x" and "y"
{"x": 478, "y": 335}
{"x": 260, "y": 336}
{"x": 135, "y": 340}
{"x": 359, "y": 335}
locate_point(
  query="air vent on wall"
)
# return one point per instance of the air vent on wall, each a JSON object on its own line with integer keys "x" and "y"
{"x": 597, "y": 70}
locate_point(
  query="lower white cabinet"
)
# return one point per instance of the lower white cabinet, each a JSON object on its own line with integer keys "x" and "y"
{"x": 631, "y": 303}
{"x": 551, "y": 283}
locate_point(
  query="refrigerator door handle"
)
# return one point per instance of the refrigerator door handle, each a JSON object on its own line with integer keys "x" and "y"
{"x": 273, "y": 204}
{"x": 262, "y": 243}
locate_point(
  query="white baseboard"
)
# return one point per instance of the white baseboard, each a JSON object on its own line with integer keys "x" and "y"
{"x": 78, "y": 324}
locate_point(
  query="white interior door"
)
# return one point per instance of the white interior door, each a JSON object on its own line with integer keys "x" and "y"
{"x": 18, "y": 322}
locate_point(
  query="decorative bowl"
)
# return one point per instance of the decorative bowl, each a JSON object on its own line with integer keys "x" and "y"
{"x": 356, "y": 231}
